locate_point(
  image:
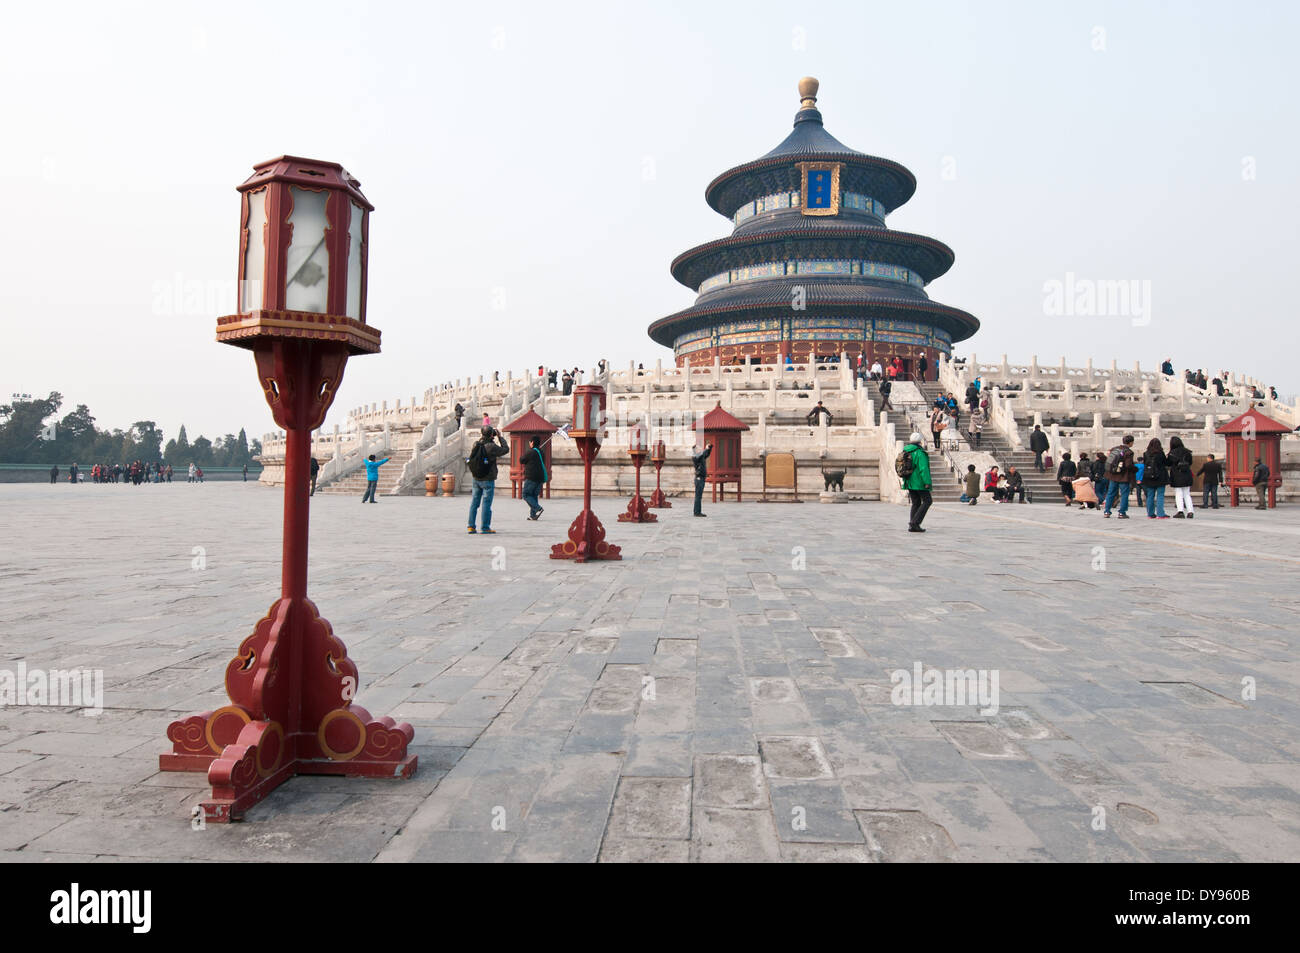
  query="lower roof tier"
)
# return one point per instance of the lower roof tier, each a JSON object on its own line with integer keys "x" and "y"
{"x": 789, "y": 302}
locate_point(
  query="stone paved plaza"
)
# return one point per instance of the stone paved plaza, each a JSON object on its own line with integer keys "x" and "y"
{"x": 723, "y": 693}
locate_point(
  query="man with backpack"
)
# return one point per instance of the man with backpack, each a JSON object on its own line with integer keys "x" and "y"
{"x": 315, "y": 472}
{"x": 482, "y": 464}
{"x": 1120, "y": 471}
{"x": 913, "y": 468}
{"x": 372, "y": 477}
{"x": 534, "y": 477}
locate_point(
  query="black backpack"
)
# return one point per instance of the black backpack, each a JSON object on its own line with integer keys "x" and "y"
{"x": 479, "y": 461}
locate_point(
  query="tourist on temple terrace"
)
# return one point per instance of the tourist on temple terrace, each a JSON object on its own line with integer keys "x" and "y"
{"x": 917, "y": 482}
{"x": 482, "y": 463}
{"x": 1038, "y": 443}
{"x": 1180, "y": 478}
{"x": 1155, "y": 477}
{"x": 1211, "y": 474}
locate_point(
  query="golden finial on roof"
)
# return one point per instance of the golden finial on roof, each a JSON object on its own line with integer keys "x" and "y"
{"x": 808, "y": 93}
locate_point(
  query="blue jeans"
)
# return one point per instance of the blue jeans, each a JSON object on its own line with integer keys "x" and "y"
{"x": 1120, "y": 490}
{"x": 1209, "y": 493}
{"x": 483, "y": 490}
{"x": 371, "y": 486}
{"x": 1155, "y": 500}
{"x": 531, "y": 489}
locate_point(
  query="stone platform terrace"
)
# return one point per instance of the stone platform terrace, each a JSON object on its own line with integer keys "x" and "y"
{"x": 723, "y": 693}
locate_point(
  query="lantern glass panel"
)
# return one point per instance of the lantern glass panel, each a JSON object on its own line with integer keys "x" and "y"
{"x": 307, "y": 275}
{"x": 254, "y": 252}
{"x": 354, "y": 261}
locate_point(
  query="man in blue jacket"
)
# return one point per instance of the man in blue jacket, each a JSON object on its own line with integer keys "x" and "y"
{"x": 372, "y": 477}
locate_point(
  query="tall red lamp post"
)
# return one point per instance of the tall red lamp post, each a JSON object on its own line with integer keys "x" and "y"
{"x": 586, "y": 534}
{"x": 657, "y": 456}
{"x": 302, "y": 295}
{"x": 637, "y": 510}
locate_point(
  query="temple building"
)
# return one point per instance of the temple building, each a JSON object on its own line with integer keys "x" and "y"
{"x": 810, "y": 269}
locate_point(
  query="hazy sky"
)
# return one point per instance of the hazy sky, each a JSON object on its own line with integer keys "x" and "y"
{"x": 553, "y": 158}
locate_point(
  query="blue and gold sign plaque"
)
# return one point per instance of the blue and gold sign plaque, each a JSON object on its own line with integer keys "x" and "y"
{"x": 820, "y": 186}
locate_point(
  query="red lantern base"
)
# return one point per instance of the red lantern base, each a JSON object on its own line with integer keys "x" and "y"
{"x": 586, "y": 541}
{"x": 658, "y": 501}
{"x": 638, "y": 511}
{"x": 307, "y": 723}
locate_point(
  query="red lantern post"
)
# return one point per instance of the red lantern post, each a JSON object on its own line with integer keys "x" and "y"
{"x": 586, "y": 534}
{"x": 302, "y": 293}
{"x": 657, "y": 456}
{"x": 637, "y": 510}
{"x": 1252, "y": 437}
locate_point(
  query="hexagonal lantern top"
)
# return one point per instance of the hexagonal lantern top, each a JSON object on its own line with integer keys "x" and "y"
{"x": 302, "y": 256}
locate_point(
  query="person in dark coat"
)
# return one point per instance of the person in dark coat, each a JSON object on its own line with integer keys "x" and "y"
{"x": 1211, "y": 474}
{"x": 1065, "y": 474}
{"x": 1259, "y": 480}
{"x": 1180, "y": 477}
{"x": 1155, "y": 477}
{"x": 534, "y": 477}
{"x": 1015, "y": 485}
{"x": 972, "y": 396}
{"x": 700, "y": 460}
{"x": 1038, "y": 443}
{"x": 922, "y": 365}
{"x": 54, "y": 473}
{"x": 315, "y": 469}
{"x": 1100, "y": 485}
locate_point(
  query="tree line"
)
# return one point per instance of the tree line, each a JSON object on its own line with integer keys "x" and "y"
{"x": 30, "y": 432}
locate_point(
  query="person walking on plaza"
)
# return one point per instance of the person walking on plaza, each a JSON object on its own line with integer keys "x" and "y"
{"x": 245, "y": 473}
{"x": 1065, "y": 474}
{"x": 315, "y": 469}
{"x": 972, "y": 484}
{"x": 372, "y": 477}
{"x": 482, "y": 463}
{"x": 534, "y": 477}
{"x": 976, "y": 425}
{"x": 886, "y": 387}
{"x": 1211, "y": 474}
{"x": 700, "y": 460}
{"x": 54, "y": 473}
{"x": 914, "y": 467}
{"x": 1180, "y": 478}
{"x": 1155, "y": 477}
{"x": 1038, "y": 443}
{"x": 1259, "y": 482}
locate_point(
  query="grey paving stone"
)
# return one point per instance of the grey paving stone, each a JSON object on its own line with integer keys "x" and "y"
{"x": 658, "y": 808}
{"x": 813, "y": 811}
{"x": 520, "y": 690}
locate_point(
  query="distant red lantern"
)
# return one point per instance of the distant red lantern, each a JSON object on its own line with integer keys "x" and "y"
{"x": 586, "y": 534}
{"x": 657, "y": 456}
{"x": 638, "y": 511}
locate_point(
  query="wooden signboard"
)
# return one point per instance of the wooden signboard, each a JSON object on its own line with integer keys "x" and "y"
{"x": 780, "y": 472}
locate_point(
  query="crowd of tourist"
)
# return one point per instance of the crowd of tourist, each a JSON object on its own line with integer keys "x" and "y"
{"x": 1197, "y": 378}
{"x": 135, "y": 473}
